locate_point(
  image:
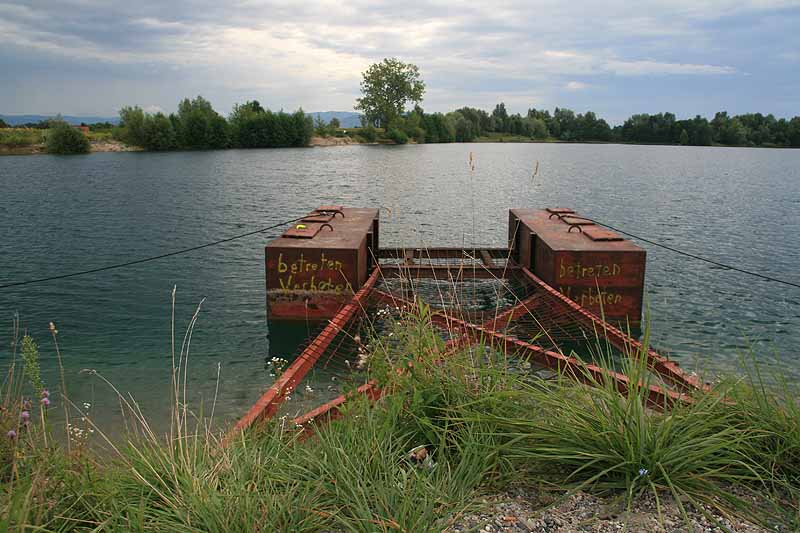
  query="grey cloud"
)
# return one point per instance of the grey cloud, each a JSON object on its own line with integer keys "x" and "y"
{"x": 311, "y": 53}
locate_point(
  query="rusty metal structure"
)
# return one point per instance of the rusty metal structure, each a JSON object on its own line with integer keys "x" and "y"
{"x": 562, "y": 286}
{"x": 314, "y": 268}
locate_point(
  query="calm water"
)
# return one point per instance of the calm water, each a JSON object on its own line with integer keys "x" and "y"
{"x": 60, "y": 214}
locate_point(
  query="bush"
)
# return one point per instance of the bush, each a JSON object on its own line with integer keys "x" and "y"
{"x": 369, "y": 133}
{"x": 398, "y": 136}
{"x": 64, "y": 139}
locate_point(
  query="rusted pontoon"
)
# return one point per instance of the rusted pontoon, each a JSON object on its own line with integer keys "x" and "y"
{"x": 563, "y": 280}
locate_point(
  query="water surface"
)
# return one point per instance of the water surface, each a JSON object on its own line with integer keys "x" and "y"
{"x": 61, "y": 214}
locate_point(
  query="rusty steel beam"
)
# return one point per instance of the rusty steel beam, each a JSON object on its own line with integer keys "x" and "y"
{"x": 520, "y": 309}
{"x": 386, "y": 298}
{"x": 657, "y": 396}
{"x": 330, "y": 410}
{"x": 267, "y": 405}
{"x": 446, "y": 272}
{"x": 587, "y": 372}
{"x": 667, "y": 369}
{"x": 439, "y": 253}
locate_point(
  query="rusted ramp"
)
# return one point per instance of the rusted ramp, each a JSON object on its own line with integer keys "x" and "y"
{"x": 555, "y": 360}
{"x": 267, "y": 405}
{"x": 666, "y": 368}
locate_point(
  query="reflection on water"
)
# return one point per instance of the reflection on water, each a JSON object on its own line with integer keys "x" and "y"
{"x": 62, "y": 214}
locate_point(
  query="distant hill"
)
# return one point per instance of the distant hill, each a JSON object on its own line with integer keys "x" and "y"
{"x": 347, "y": 119}
{"x": 15, "y": 120}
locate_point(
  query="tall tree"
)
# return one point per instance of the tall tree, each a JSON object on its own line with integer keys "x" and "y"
{"x": 386, "y": 88}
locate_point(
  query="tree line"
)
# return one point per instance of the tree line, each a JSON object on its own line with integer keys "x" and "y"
{"x": 469, "y": 124}
{"x": 197, "y": 126}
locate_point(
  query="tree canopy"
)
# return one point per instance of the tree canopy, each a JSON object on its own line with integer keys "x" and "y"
{"x": 386, "y": 88}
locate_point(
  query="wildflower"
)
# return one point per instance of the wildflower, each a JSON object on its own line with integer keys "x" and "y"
{"x": 25, "y": 415}
{"x": 46, "y": 401}
{"x": 86, "y": 405}
{"x": 643, "y": 472}
{"x": 45, "y": 393}
{"x": 308, "y": 388}
{"x": 53, "y": 329}
{"x": 11, "y": 434}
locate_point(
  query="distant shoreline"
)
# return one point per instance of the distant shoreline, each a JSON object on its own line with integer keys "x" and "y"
{"x": 106, "y": 146}
{"x": 95, "y": 146}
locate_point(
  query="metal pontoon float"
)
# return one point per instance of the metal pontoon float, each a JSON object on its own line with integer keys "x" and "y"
{"x": 563, "y": 280}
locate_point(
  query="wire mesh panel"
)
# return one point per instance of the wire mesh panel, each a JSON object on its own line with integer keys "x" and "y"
{"x": 515, "y": 316}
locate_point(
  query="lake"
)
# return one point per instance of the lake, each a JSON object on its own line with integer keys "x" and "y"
{"x": 62, "y": 214}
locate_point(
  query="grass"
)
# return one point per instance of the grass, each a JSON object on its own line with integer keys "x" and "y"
{"x": 483, "y": 426}
{"x": 20, "y": 137}
{"x": 25, "y": 140}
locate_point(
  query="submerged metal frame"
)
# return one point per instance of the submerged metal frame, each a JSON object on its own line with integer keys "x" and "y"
{"x": 268, "y": 404}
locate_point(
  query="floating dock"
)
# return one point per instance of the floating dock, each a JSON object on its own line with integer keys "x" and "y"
{"x": 562, "y": 281}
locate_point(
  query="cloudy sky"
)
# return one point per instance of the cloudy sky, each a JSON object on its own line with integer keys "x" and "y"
{"x": 614, "y": 57}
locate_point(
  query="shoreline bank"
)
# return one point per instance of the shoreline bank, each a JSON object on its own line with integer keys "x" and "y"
{"x": 106, "y": 146}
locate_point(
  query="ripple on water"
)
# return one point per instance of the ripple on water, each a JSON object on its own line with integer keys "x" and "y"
{"x": 72, "y": 213}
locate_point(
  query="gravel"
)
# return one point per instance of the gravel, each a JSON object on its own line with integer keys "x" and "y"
{"x": 527, "y": 510}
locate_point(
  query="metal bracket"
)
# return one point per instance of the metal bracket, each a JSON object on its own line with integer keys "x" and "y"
{"x": 330, "y": 211}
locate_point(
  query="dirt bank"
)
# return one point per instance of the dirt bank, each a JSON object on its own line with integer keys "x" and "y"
{"x": 331, "y": 141}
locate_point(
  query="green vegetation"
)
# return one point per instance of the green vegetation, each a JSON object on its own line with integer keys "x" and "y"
{"x": 20, "y": 137}
{"x": 389, "y": 85}
{"x": 484, "y": 423}
{"x": 469, "y": 124}
{"x": 386, "y": 87}
{"x": 197, "y": 126}
{"x": 65, "y": 139}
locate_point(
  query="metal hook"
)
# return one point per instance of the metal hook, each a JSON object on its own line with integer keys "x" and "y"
{"x": 333, "y": 212}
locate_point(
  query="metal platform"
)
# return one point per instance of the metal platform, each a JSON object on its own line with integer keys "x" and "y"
{"x": 493, "y": 296}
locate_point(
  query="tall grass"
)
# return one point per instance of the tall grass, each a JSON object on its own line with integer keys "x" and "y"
{"x": 446, "y": 430}
{"x": 20, "y": 137}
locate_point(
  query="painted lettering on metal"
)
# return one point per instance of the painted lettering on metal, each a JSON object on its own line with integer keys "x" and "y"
{"x": 588, "y": 297}
{"x": 578, "y": 270}
{"x": 323, "y": 273}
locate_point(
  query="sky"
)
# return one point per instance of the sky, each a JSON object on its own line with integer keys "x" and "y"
{"x": 91, "y": 57}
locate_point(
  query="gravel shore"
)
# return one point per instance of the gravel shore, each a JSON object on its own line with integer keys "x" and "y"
{"x": 526, "y": 510}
